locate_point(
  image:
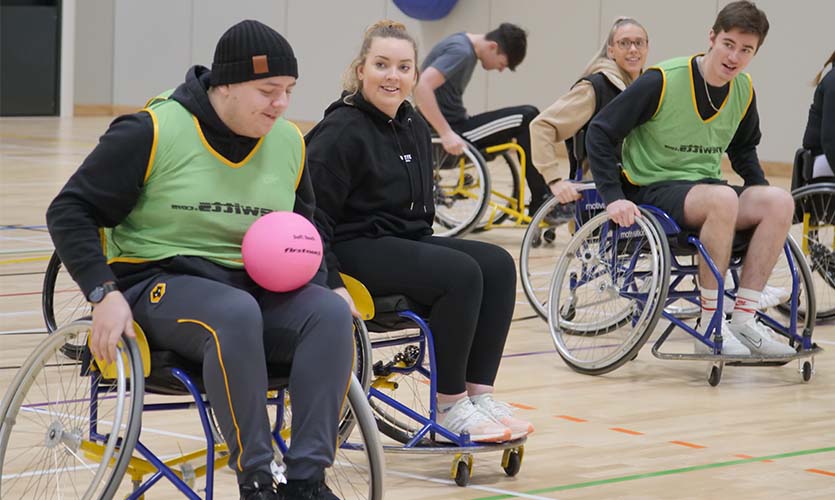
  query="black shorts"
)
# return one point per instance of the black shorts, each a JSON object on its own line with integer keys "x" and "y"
{"x": 669, "y": 195}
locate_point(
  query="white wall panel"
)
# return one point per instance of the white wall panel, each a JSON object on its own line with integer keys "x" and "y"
{"x": 148, "y": 46}
{"x": 94, "y": 52}
{"x": 562, "y": 37}
{"x": 799, "y": 41}
{"x": 325, "y": 36}
{"x": 212, "y": 18}
{"x": 152, "y": 48}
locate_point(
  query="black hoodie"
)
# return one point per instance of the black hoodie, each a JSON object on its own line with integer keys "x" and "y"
{"x": 107, "y": 185}
{"x": 372, "y": 174}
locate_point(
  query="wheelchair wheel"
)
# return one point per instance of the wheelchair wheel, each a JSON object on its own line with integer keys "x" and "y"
{"x": 814, "y": 230}
{"x": 362, "y": 361}
{"x": 401, "y": 371}
{"x": 461, "y": 190}
{"x": 62, "y": 302}
{"x": 541, "y": 248}
{"x": 504, "y": 188}
{"x": 359, "y": 466}
{"x": 614, "y": 282}
{"x": 362, "y": 370}
{"x": 781, "y": 279}
{"x": 53, "y": 443}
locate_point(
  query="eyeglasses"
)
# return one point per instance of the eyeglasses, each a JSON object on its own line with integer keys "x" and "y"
{"x": 625, "y": 43}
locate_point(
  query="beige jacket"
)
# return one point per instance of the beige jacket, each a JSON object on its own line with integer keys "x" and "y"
{"x": 566, "y": 117}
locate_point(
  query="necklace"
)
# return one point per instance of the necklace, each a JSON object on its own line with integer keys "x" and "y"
{"x": 704, "y": 80}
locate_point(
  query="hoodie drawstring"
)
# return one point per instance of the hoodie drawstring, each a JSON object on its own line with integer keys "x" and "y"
{"x": 405, "y": 165}
{"x": 423, "y": 189}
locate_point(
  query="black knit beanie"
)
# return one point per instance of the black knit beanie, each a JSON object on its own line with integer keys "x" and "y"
{"x": 251, "y": 50}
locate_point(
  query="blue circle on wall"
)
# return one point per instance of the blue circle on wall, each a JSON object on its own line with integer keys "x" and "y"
{"x": 425, "y": 10}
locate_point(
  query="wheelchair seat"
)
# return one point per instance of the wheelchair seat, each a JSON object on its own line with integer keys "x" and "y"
{"x": 160, "y": 380}
{"x": 680, "y": 242}
{"x": 387, "y": 313}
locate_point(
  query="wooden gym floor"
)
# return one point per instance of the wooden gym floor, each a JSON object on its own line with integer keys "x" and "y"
{"x": 652, "y": 429}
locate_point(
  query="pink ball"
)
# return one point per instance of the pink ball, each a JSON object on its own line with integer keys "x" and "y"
{"x": 282, "y": 251}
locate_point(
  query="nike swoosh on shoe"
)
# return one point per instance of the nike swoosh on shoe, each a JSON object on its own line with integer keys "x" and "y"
{"x": 757, "y": 343}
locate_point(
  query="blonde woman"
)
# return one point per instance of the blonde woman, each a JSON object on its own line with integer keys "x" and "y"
{"x": 370, "y": 160}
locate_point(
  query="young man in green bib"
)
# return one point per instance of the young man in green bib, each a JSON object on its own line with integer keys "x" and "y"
{"x": 676, "y": 121}
{"x": 176, "y": 185}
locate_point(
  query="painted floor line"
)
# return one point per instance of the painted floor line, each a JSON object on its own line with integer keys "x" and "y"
{"x": 501, "y": 493}
{"x": 532, "y": 353}
{"x": 821, "y": 472}
{"x": 668, "y": 472}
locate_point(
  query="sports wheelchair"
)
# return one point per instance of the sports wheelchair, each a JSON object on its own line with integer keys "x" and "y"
{"x": 610, "y": 286}
{"x": 478, "y": 189}
{"x": 403, "y": 386}
{"x": 814, "y": 228}
{"x": 71, "y": 425}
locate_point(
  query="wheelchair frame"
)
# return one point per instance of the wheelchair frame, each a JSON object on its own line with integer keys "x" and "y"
{"x": 659, "y": 229}
{"x": 510, "y": 205}
{"x": 418, "y": 359}
{"x": 118, "y": 450}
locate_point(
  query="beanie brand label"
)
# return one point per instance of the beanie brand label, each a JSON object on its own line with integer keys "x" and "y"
{"x": 259, "y": 65}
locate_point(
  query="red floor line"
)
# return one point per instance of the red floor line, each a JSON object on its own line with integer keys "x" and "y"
{"x": 522, "y": 407}
{"x": 821, "y": 472}
{"x": 570, "y": 418}
{"x": 689, "y": 445}
{"x": 626, "y": 431}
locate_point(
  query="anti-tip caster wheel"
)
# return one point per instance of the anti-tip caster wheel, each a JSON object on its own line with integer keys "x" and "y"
{"x": 462, "y": 469}
{"x": 715, "y": 374}
{"x": 512, "y": 460}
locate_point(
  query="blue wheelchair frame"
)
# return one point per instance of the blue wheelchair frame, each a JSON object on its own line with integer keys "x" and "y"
{"x": 163, "y": 469}
{"x": 682, "y": 271}
{"x": 591, "y": 203}
{"x": 423, "y": 440}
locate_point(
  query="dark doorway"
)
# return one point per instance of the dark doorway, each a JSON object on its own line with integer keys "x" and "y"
{"x": 30, "y": 57}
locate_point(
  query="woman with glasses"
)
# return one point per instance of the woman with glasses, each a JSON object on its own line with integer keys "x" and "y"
{"x": 618, "y": 63}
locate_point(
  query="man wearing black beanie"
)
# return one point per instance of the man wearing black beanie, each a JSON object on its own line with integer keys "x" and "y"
{"x": 176, "y": 185}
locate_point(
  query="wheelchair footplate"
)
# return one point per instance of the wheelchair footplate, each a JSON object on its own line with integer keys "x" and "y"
{"x": 462, "y": 461}
{"x": 735, "y": 360}
{"x": 805, "y": 358}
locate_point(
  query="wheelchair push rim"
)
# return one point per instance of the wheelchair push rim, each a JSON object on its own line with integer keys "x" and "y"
{"x": 51, "y": 429}
{"x": 607, "y": 293}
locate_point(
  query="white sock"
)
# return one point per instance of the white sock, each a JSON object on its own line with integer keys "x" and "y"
{"x": 709, "y": 299}
{"x": 745, "y": 308}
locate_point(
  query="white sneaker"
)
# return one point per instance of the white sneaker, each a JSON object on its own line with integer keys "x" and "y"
{"x": 730, "y": 344}
{"x": 503, "y": 413}
{"x": 773, "y": 296}
{"x": 465, "y": 417}
{"x": 760, "y": 339}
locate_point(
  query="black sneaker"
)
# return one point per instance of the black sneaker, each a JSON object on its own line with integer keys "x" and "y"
{"x": 560, "y": 214}
{"x": 305, "y": 489}
{"x": 261, "y": 486}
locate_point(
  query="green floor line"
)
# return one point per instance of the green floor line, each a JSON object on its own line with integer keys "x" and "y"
{"x": 665, "y": 473}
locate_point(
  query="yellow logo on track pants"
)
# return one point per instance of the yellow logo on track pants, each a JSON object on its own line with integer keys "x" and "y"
{"x": 157, "y": 293}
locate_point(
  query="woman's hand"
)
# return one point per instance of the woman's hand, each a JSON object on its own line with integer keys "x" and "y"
{"x": 564, "y": 191}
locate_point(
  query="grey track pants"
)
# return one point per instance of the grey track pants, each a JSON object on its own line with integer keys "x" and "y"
{"x": 236, "y": 334}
